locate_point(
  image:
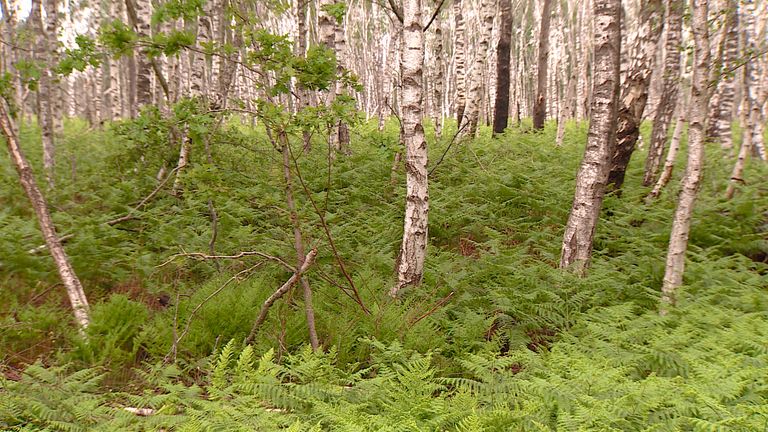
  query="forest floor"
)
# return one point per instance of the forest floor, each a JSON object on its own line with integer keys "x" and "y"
{"x": 496, "y": 338}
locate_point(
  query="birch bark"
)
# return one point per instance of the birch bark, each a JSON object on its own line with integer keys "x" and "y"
{"x": 635, "y": 90}
{"x": 410, "y": 265}
{"x": 540, "y": 105}
{"x": 681, "y": 224}
{"x": 666, "y": 106}
{"x": 68, "y": 277}
{"x": 593, "y": 172}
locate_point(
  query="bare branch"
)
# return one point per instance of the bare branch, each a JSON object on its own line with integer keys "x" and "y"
{"x": 308, "y": 260}
{"x": 202, "y": 257}
{"x": 202, "y": 303}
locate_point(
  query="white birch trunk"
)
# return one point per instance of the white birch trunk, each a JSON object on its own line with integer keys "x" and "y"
{"x": 681, "y": 224}
{"x": 68, "y": 277}
{"x": 593, "y": 172}
{"x": 410, "y": 266}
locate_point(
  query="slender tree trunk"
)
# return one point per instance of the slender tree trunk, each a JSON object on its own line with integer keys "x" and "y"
{"x": 635, "y": 91}
{"x": 503, "y": 51}
{"x": 750, "y": 105}
{"x": 45, "y": 92}
{"x": 340, "y": 47}
{"x": 439, "y": 78}
{"x": 666, "y": 107}
{"x": 593, "y": 173}
{"x": 68, "y": 277}
{"x": 460, "y": 58}
{"x": 298, "y": 241}
{"x": 540, "y": 106}
{"x": 51, "y": 8}
{"x": 139, "y": 14}
{"x": 475, "y": 97}
{"x": 681, "y": 224}
{"x": 8, "y": 52}
{"x": 721, "y": 110}
{"x": 410, "y": 266}
{"x": 674, "y": 147}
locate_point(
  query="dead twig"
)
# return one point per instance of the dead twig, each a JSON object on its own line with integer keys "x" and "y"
{"x": 143, "y": 202}
{"x": 308, "y": 260}
{"x": 453, "y": 140}
{"x": 202, "y": 303}
{"x": 202, "y": 257}
{"x": 440, "y": 303}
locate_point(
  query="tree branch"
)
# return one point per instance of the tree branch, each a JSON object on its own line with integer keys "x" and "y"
{"x": 434, "y": 15}
{"x": 308, "y": 260}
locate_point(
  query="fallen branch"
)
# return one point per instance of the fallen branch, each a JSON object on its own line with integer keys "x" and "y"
{"x": 141, "y": 412}
{"x": 176, "y": 341}
{"x": 202, "y": 257}
{"x": 308, "y": 260}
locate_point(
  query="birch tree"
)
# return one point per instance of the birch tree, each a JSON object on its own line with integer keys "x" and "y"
{"x": 681, "y": 223}
{"x": 666, "y": 106}
{"x": 721, "y": 105}
{"x": 45, "y": 91}
{"x": 593, "y": 172}
{"x": 475, "y": 81}
{"x": 410, "y": 265}
{"x": 540, "y": 105}
{"x": 634, "y": 93}
{"x": 139, "y": 14}
{"x": 752, "y": 104}
{"x": 459, "y": 55}
{"x": 72, "y": 284}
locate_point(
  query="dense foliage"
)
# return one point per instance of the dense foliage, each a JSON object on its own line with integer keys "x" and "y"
{"x": 496, "y": 338}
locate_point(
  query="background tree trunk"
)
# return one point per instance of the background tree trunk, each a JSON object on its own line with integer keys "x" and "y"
{"x": 666, "y": 106}
{"x": 681, "y": 224}
{"x": 503, "y": 49}
{"x": 460, "y": 59}
{"x": 45, "y": 94}
{"x": 635, "y": 91}
{"x": 721, "y": 107}
{"x": 540, "y": 105}
{"x": 475, "y": 96}
{"x": 593, "y": 172}
{"x": 139, "y": 14}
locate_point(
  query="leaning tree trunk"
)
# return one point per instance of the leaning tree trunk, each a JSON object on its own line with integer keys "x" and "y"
{"x": 298, "y": 240}
{"x": 503, "y": 51}
{"x": 410, "y": 265}
{"x": 681, "y": 224}
{"x": 666, "y": 106}
{"x": 460, "y": 59}
{"x": 750, "y": 107}
{"x": 540, "y": 104}
{"x": 68, "y": 277}
{"x": 634, "y": 95}
{"x": 593, "y": 172}
{"x": 674, "y": 147}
